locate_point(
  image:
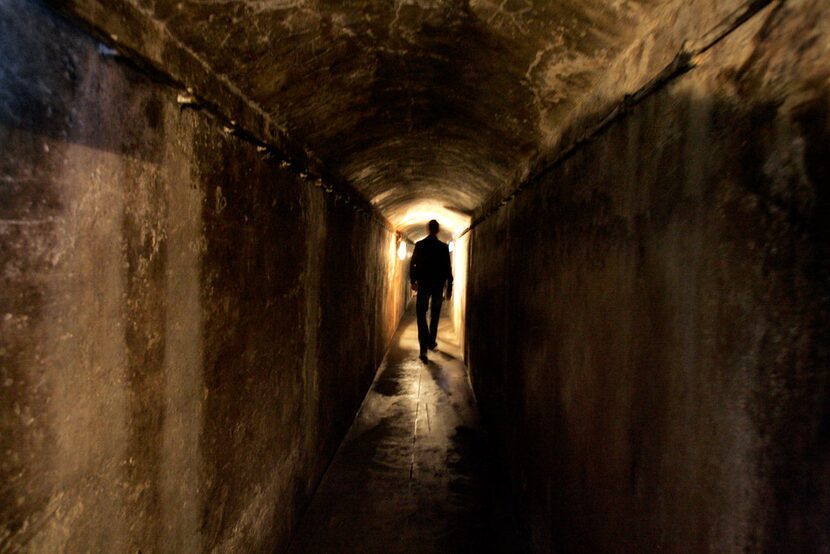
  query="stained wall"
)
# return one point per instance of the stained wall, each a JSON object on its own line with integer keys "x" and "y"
{"x": 188, "y": 328}
{"x": 647, "y": 322}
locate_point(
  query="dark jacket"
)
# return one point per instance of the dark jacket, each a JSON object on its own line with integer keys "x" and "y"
{"x": 430, "y": 265}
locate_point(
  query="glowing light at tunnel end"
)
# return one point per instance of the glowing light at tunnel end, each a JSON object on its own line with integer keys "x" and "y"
{"x": 413, "y": 219}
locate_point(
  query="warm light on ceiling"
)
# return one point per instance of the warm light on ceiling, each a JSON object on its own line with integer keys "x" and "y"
{"x": 414, "y": 220}
{"x": 402, "y": 251}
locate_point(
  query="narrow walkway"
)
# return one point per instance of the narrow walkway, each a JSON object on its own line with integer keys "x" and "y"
{"x": 411, "y": 475}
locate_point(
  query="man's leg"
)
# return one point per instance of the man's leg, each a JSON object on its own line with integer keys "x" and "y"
{"x": 421, "y": 305}
{"x": 435, "y": 313}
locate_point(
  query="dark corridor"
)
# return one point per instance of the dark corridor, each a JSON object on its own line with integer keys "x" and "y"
{"x": 415, "y": 473}
{"x": 207, "y": 216}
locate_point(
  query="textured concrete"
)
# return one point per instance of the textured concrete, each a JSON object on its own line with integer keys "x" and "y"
{"x": 193, "y": 303}
{"x": 653, "y": 359}
{"x": 419, "y": 104}
{"x": 414, "y": 473}
{"x": 187, "y": 328}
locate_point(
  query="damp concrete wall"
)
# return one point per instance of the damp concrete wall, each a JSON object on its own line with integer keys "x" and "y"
{"x": 647, "y": 321}
{"x": 186, "y": 328}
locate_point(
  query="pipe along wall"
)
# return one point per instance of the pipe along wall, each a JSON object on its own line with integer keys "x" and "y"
{"x": 647, "y": 324}
{"x": 187, "y": 328}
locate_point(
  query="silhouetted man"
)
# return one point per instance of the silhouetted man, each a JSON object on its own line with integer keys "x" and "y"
{"x": 429, "y": 270}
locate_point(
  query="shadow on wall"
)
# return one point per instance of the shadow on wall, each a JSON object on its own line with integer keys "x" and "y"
{"x": 653, "y": 359}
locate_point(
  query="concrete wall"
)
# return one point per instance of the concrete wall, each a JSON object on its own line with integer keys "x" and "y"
{"x": 648, "y": 326}
{"x": 460, "y": 269}
{"x": 187, "y": 329}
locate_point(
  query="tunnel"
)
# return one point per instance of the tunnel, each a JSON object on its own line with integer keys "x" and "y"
{"x": 208, "y": 339}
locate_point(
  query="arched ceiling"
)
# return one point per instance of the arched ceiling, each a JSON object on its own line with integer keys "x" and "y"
{"x": 424, "y": 106}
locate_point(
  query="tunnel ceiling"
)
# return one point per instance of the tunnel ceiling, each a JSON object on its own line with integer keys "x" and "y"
{"x": 424, "y": 106}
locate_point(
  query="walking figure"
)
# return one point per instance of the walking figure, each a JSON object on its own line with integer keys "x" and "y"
{"x": 429, "y": 270}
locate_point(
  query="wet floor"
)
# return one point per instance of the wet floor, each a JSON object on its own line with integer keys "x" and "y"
{"x": 414, "y": 472}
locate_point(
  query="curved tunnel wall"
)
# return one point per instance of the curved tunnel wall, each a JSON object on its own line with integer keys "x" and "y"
{"x": 411, "y": 101}
{"x": 647, "y": 325}
{"x": 187, "y": 328}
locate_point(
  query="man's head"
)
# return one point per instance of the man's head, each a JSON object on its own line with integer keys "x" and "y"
{"x": 433, "y": 227}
